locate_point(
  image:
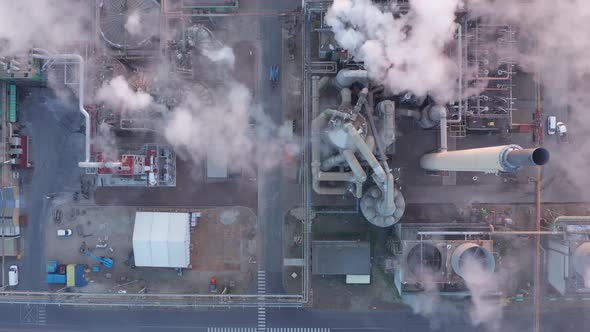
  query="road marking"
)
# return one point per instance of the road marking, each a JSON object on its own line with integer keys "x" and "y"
{"x": 261, "y": 283}
{"x": 231, "y": 329}
{"x": 298, "y": 329}
{"x": 41, "y": 315}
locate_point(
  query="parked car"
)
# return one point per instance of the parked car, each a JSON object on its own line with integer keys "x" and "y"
{"x": 13, "y": 275}
{"x": 561, "y": 129}
{"x": 551, "y": 125}
{"x": 64, "y": 232}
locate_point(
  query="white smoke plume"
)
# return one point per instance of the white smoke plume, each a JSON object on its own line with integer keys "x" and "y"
{"x": 48, "y": 23}
{"x": 133, "y": 24}
{"x": 224, "y": 55}
{"x": 484, "y": 310}
{"x": 118, "y": 94}
{"x": 560, "y": 52}
{"x": 213, "y": 130}
{"x": 106, "y": 142}
{"x": 405, "y": 52}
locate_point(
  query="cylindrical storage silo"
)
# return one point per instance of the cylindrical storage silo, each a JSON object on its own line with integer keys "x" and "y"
{"x": 473, "y": 262}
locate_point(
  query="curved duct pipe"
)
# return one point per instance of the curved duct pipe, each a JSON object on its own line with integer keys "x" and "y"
{"x": 365, "y": 151}
{"x": 431, "y": 115}
{"x": 346, "y": 77}
{"x": 45, "y": 55}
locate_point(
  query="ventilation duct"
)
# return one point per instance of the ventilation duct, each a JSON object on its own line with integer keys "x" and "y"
{"x": 472, "y": 262}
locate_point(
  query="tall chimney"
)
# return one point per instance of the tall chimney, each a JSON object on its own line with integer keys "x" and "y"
{"x": 504, "y": 158}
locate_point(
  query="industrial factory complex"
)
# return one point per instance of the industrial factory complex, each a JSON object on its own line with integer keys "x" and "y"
{"x": 178, "y": 153}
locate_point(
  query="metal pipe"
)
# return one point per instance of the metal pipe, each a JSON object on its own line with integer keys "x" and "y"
{"x": 345, "y": 98}
{"x": 443, "y": 134}
{"x": 346, "y": 77}
{"x": 355, "y": 166}
{"x": 332, "y": 162}
{"x": 491, "y": 233}
{"x": 45, "y": 55}
{"x": 369, "y": 109}
{"x": 386, "y": 206}
{"x": 388, "y": 111}
{"x": 460, "y": 62}
{"x": 362, "y": 99}
{"x": 365, "y": 152}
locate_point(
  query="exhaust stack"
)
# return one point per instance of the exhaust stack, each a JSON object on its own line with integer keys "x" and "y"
{"x": 504, "y": 158}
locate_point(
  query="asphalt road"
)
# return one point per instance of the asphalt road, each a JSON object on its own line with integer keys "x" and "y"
{"x": 53, "y": 318}
{"x": 270, "y": 192}
{"x": 56, "y": 148}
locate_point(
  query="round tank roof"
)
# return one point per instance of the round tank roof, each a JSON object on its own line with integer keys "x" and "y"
{"x": 128, "y": 23}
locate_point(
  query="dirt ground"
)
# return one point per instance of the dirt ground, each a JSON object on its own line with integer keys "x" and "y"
{"x": 223, "y": 245}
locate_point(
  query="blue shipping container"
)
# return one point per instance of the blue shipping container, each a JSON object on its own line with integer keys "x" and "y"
{"x": 51, "y": 267}
{"x": 55, "y": 278}
{"x": 80, "y": 275}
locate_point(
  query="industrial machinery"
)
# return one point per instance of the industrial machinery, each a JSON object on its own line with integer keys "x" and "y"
{"x": 106, "y": 261}
{"x": 128, "y": 24}
{"x": 445, "y": 258}
{"x": 568, "y": 256}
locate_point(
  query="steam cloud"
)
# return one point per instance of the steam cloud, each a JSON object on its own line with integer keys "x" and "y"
{"x": 223, "y": 55}
{"x": 118, "y": 94}
{"x": 403, "y": 53}
{"x": 133, "y": 24}
{"x": 483, "y": 309}
{"x": 49, "y": 23}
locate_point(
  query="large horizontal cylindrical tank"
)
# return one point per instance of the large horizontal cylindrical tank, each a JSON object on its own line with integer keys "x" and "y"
{"x": 473, "y": 262}
{"x": 503, "y": 158}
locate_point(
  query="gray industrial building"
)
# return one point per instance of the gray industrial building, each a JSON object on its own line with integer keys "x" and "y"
{"x": 349, "y": 258}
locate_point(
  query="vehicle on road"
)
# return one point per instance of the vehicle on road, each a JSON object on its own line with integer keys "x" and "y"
{"x": 562, "y": 132}
{"x": 551, "y": 125}
{"x": 274, "y": 75}
{"x": 64, "y": 232}
{"x": 561, "y": 129}
{"x": 13, "y": 275}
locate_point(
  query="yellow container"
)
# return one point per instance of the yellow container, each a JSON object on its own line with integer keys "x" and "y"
{"x": 71, "y": 275}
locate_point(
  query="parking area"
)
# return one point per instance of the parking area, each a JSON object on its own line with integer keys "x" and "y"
{"x": 223, "y": 245}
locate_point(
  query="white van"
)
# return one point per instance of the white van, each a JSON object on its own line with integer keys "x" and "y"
{"x": 13, "y": 275}
{"x": 551, "y": 125}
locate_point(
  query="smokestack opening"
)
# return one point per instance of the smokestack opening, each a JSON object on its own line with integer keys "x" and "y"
{"x": 423, "y": 259}
{"x": 540, "y": 156}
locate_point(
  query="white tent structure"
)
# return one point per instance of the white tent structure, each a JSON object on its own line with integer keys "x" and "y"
{"x": 161, "y": 239}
